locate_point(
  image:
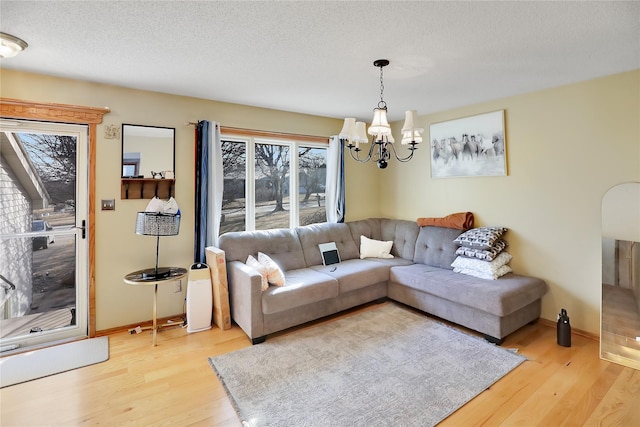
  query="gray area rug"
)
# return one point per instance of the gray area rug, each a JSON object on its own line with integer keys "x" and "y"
{"x": 384, "y": 367}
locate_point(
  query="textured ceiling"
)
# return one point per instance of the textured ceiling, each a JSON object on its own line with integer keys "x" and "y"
{"x": 316, "y": 57}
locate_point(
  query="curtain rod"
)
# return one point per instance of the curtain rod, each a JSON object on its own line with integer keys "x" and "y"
{"x": 253, "y": 132}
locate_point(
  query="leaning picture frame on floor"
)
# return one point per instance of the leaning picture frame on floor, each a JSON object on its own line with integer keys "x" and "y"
{"x": 469, "y": 146}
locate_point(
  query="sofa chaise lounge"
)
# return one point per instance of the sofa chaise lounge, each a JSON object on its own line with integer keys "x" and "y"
{"x": 419, "y": 275}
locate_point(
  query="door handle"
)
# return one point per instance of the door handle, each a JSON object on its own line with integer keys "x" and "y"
{"x": 83, "y": 227}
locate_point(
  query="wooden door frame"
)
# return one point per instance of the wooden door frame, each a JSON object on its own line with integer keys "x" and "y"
{"x": 62, "y": 113}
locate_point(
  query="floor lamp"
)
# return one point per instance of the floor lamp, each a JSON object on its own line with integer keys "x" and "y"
{"x": 157, "y": 224}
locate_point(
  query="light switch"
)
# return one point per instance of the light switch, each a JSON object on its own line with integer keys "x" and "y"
{"x": 109, "y": 205}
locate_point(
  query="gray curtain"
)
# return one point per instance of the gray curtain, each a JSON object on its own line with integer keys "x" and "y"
{"x": 209, "y": 187}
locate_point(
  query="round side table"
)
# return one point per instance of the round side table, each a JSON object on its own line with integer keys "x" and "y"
{"x": 146, "y": 277}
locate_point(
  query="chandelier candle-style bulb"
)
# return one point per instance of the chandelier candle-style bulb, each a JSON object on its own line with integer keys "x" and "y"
{"x": 411, "y": 137}
{"x": 353, "y": 132}
{"x": 410, "y": 133}
{"x": 348, "y": 130}
{"x": 361, "y": 133}
{"x": 379, "y": 124}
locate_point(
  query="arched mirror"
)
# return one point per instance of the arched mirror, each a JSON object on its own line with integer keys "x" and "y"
{"x": 620, "y": 321}
{"x": 148, "y": 161}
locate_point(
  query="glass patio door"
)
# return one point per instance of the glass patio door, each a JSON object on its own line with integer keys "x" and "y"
{"x": 43, "y": 244}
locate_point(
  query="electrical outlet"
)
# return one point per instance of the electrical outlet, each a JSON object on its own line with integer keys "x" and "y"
{"x": 177, "y": 286}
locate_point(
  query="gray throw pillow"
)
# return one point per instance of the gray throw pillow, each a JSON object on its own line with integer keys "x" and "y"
{"x": 483, "y": 254}
{"x": 480, "y": 238}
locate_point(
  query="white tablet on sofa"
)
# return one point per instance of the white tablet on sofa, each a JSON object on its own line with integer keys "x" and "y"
{"x": 329, "y": 252}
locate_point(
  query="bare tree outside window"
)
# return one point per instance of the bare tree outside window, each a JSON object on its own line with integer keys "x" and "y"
{"x": 312, "y": 167}
{"x": 272, "y": 166}
{"x": 53, "y": 156}
{"x": 234, "y": 203}
{"x": 271, "y": 186}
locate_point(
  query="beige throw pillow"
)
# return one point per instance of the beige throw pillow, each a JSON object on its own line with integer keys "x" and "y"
{"x": 275, "y": 276}
{"x": 252, "y": 262}
{"x": 370, "y": 248}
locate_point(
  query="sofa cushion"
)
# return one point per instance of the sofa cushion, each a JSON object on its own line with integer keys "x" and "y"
{"x": 404, "y": 235}
{"x": 365, "y": 227}
{"x": 499, "y": 297}
{"x": 281, "y": 244}
{"x": 356, "y": 273}
{"x": 435, "y": 246}
{"x": 312, "y": 235}
{"x": 304, "y": 286}
{"x": 392, "y": 261}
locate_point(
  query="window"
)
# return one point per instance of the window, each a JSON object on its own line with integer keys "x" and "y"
{"x": 281, "y": 186}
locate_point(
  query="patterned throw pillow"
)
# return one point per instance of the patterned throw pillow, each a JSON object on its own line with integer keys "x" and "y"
{"x": 489, "y": 276}
{"x": 275, "y": 276}
{"x": 481, "y": 238}
{"x": 252, "y": 262}
{"x": 488, "y": 267}
{"x": 483, "y": 254}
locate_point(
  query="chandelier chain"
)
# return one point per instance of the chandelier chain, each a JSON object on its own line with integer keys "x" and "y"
{"x": 381, "y": 104}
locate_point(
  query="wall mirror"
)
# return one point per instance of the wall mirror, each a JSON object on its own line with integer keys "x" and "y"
{"x": 148, "y": 151}
{"x": 620, "y": 314}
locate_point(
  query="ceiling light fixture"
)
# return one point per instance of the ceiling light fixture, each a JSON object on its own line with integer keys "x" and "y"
{"x": 11, "y": 45}
{"x": 382, "y": 141}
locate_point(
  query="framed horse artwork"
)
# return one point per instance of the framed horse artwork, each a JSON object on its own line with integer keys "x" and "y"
{"x": 469, "y": 146}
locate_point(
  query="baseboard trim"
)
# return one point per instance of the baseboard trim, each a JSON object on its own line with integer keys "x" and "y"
{"x": 574, "y": 331}
{"x": 117, "y": 329}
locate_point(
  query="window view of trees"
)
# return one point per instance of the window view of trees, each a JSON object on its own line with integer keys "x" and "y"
{"x": 312, "y": 178}
{"x": 260, "y": 195}
{"x": 54, "y": 158}
{"x": 271, "y": 186}
{"x": 234, "y": 202}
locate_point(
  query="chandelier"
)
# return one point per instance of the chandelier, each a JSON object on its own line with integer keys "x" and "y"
{"x": 353, "y": 133}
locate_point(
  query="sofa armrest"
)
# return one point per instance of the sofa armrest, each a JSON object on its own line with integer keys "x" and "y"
{"x": 245, "y": 289}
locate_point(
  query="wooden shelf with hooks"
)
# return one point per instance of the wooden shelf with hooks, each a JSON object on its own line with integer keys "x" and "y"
{"x": 147, "y": 188}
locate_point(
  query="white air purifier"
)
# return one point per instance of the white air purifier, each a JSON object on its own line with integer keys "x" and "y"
{"x": 199, "y": 298}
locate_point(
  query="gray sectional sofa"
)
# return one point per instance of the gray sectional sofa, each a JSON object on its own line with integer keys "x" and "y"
{"x": 419, "y": 275}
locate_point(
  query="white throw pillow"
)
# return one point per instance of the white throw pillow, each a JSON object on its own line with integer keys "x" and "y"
{"x": 484, "y": 267}
{"x": 501, "y": 271}
{"x": 275, "y": 276}
{"x": 370, "y": 248}
{"x": 252, "y": 262}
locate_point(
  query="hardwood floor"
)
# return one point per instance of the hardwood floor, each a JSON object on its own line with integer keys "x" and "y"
{"x": 620, "y": 326}
{"x": 172, "y": 384}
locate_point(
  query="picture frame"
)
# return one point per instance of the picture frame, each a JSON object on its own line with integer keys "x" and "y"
{"x": 469, "y": 146}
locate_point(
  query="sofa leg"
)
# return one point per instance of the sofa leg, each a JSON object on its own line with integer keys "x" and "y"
{"x": 258, "y": 340}
{"x": 493, "y": 340}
